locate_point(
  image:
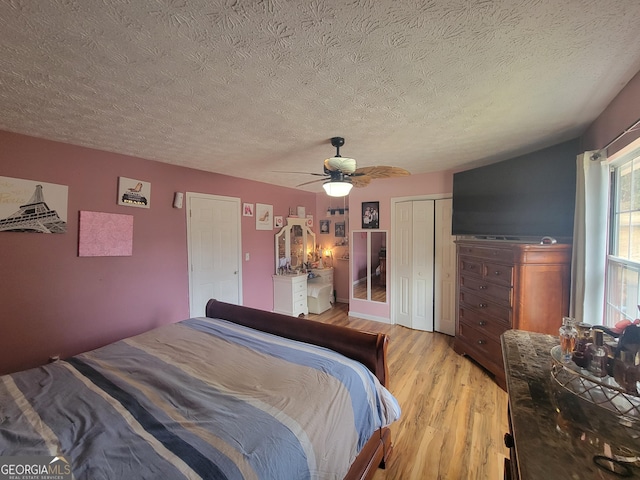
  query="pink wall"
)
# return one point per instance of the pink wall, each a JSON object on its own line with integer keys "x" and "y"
{"x": 54, "y": 302}
{"x": 620, "y": 114}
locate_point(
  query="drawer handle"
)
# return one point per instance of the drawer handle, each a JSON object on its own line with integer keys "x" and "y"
{"x": 482, "y": 287}
{"x": 482, "y": 342}
{"x": 482, "y": 323}
{"x": 497, "y": 272}
{"x": 482, "y": 305}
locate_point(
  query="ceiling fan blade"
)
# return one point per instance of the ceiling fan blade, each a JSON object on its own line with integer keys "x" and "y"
{"x": 301, "y": 173}
{"x": 340, "y": 164}
{"x": 313, "y": 181}
{"x": 361, "y": 180}
{"x": 382, "y": 171}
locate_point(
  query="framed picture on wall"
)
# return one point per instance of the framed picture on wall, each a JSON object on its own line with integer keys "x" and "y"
{"x": 134, "y": 193}
{"x": 32, "y": 206}
{"x": 340, "y": 229}
{"x": 264, "y": 216}
{"x": 247, "y": 210}
{"x": 370, "y": 214}
{"x": 325, "y": 226}
{"x": 278, "y": 221}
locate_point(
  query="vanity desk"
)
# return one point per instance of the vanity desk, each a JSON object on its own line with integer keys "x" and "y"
{"x": 553, "y": 432}
{"x": 294, "y": 246}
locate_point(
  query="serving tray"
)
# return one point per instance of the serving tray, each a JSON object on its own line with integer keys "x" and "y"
{"x": 603, "y": 392}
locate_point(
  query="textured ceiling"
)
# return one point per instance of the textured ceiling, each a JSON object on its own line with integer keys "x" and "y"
{"x": 246, "y": 88}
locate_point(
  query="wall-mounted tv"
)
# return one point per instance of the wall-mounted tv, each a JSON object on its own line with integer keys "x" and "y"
{"x": 532, "y": 195}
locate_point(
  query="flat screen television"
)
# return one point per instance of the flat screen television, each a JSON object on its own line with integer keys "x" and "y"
{"x": 529, "y": 196}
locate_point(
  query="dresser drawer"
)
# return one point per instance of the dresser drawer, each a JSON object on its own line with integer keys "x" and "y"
{"x": 484, "y": 305}
{"x": 470, "y": 266}
{"x": 480, "y": 342}
{"x": 493, "y": 327}
{"x": 299, "y": 287}
{"x": 496, "y": 273}
{"x": 500, "y": 293}
{"x": 502, "y": 254}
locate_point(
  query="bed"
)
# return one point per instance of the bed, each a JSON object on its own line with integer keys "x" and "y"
{"x": 238, "y": 394}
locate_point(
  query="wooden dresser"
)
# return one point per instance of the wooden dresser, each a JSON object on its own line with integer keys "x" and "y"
{"x": 503, "y": 285}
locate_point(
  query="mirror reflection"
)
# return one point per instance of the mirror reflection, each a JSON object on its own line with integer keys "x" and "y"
{"x": 369, "y": 264}
{"x": 359, "y": 264}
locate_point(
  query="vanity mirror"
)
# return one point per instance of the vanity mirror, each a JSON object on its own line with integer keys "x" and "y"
{"x": 369, "y": 265}
{"x": 294, "y": 243}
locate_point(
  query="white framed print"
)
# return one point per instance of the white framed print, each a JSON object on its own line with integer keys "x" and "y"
{"x": 278, "y": 221}
{"x": 32, "y": 206}
{"x": 264, "y": 215}
{"x": 134, "y": 193}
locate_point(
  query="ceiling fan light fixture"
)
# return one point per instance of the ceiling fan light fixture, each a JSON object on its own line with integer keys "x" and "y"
{"x": 337, "y": 189}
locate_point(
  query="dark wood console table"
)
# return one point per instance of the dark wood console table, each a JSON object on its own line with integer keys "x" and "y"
{"x": 554, "y": 433}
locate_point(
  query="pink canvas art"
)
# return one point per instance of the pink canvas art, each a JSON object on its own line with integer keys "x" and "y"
{"x": 105, "y": 235}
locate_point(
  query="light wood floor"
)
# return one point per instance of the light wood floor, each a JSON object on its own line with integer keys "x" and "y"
{"x": 454, "y": 416}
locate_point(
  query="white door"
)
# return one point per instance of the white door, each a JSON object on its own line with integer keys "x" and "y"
{"x": 423, "y": 220}
{"x": 214, "y": 249}
{"x": 402, "y": 258}
{"x": 445, "y": 270}
{"x": 413, "y": 260}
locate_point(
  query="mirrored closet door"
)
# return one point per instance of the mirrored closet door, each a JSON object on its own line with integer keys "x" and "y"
{"x": 369, "y": 265}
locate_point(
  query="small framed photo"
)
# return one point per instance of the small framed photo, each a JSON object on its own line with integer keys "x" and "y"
{"x": 370, "y": 214}
{"x": 310, "y": 221}
{"x": 278, "y": 221}
{"x": 340, "y": 229}
{"x": 247, "y": 210}
{"x": 325, "y": 226}
{"x": 134, "y": 193}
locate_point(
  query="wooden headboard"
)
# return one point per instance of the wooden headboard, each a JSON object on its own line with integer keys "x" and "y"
{"x": 369, "y": 349}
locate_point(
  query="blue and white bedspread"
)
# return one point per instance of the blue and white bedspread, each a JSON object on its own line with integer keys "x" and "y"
{"x": 203, "y": 398}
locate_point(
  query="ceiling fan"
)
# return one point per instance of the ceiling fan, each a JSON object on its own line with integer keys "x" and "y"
{"x": 340, "y": 173}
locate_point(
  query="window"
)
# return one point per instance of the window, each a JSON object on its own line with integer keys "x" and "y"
{"x": 623, "y": 261}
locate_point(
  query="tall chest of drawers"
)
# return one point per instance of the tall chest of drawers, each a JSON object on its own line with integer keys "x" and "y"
{"x": 504, "y": 285}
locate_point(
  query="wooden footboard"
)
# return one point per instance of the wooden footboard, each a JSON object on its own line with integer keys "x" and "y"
{"x": 369, "y": 349}
{"x": 373, "y": 455}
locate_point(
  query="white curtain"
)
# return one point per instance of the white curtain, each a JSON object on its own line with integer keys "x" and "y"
{"x": 590, "y": 238}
